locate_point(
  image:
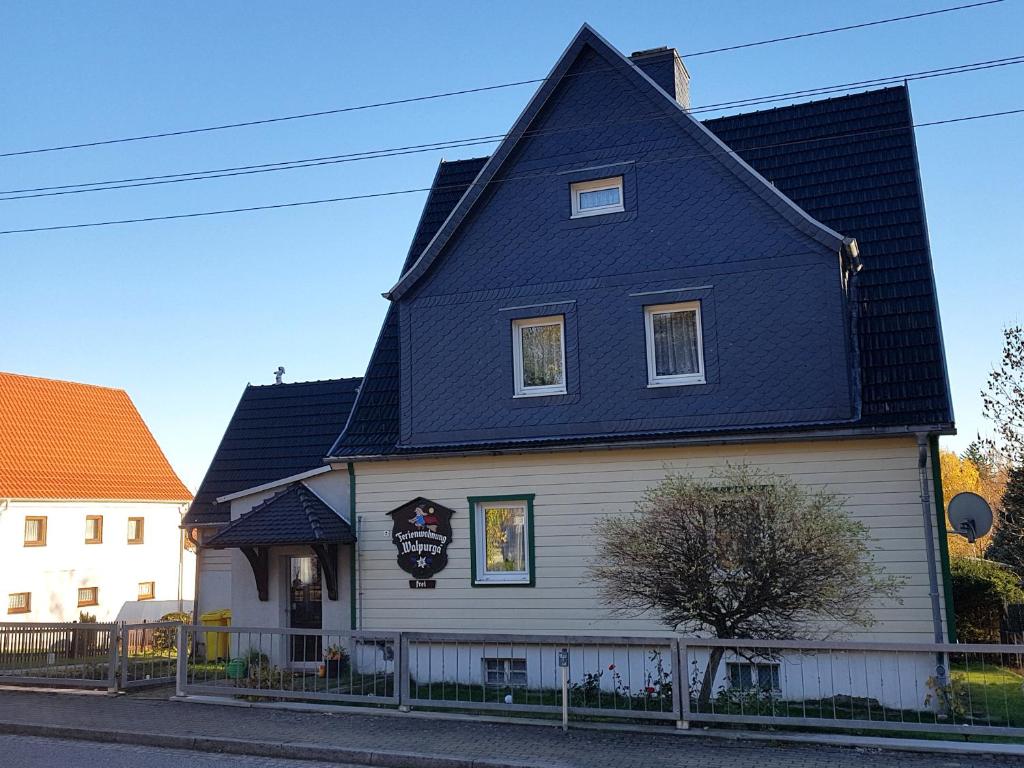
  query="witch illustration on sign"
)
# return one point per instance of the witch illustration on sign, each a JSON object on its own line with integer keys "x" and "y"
{"x": 421, "y": 531}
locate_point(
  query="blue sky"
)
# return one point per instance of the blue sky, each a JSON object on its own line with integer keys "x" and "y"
{"x": 183, "y": 314}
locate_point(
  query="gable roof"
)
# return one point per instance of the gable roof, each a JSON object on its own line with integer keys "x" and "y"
{"x": 587, "y": 37}
{"x": 851, "y": 162}
{"x": 296, "y": 515}
{"x": 373, "y": 427}
{"x": 276, "y": 431}
{"x": 63, "y": 440}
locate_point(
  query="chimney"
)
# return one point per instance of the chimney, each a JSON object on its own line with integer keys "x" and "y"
{"x": 664, "y": 66}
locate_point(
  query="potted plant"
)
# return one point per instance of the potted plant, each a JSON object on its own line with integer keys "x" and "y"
{"x": 336, "y": 660}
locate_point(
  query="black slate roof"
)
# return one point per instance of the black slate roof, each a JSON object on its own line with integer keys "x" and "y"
{"x": 276, "y": 431}
{"x": 851, "y": 163}
{"x": 296, "y": 515}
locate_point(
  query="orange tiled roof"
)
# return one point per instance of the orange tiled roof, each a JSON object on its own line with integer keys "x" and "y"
{"x": 62, "y": 440}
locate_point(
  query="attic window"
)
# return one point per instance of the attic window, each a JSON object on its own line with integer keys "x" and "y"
{"x": 592, "y": 198}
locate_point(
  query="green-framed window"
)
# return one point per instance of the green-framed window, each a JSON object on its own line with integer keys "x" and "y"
{"x": 501, "y": 540}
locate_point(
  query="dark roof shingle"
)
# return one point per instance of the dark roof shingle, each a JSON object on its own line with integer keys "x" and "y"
{"x": 296, "y": 515}
{"x": 276, "y": 431}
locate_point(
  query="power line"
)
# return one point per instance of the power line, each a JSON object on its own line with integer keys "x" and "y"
{"x": 393, "y": 193}
{"x": 286, "y": 165}
{"x": 862, "y": 25}
{"x": 464, "y": 91}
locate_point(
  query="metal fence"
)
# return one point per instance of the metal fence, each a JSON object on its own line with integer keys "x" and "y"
{"x": 962, "y": 689}
{"x": 77, "y": 655}
{"x": 70, "y": 655}
{"x": 147, "y": 654}
{"x": 607, "y": 676}
{"x": 297, "y": 664}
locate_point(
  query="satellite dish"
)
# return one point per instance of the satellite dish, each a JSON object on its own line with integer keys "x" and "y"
{"x": 970, "y": 515}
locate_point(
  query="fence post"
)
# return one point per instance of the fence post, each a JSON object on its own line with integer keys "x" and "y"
{"x": 112, "y": 635}
{"x": 182, "y": 665}
{"x": 681, "y": 689}
{"x": 404, "y": 687}
{"x": 124, "y": 650}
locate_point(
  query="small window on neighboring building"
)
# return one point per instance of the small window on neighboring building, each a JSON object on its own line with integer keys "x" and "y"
{"x": 592, "y": 198}
{"x": 136, "y": 530}
{"x": 502, "y": 540}
{"x": 753, "y": 676}
{"x": 19, "y": 602}
{"x": 94, "y": 529}
{"x": 538, "y": 347}
{"x": 147, "y": 590}
{"x": 35, "y": 531}
{"x": 675, "y": 353}
{"x": 88, "y": 596}
{"x": 510, "y": 673}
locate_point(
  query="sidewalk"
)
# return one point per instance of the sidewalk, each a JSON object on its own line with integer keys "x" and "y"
{"x": 404, "y": 741}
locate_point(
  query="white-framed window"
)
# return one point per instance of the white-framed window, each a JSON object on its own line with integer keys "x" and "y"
{"x": 675, "y": 349}
{"x": 502, "y": 540}
{"x": 538, "y": 351}
{"x": 592, "y": 198}
{"x": 506, "y": 673}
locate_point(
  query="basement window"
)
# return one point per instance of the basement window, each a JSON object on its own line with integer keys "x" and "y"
{"x": 507, "y": 673}
{"x": 593, "y": 198}
{"x": 753, "y": 676}
{"x": 88, "y": 596}
{"x": 147, "y": 590}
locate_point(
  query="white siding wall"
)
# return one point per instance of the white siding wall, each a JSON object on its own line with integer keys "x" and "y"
{"x": 879, "y": 478}
{"x": 53, "y": 573}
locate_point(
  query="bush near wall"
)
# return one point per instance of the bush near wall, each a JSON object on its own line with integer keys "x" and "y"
{"x": 981, "y": 591}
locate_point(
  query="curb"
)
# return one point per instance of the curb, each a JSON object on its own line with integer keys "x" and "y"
{"x": 286, "y": 750}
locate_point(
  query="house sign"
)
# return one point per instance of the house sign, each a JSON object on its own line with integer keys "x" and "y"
{"x": 421, "y": 531}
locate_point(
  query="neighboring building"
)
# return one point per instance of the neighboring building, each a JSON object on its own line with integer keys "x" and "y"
{"x": 90, "y": 510}
{"x": 617, "y": 292}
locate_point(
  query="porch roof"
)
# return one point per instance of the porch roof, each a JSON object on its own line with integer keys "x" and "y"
{"x": 294, "y": 516}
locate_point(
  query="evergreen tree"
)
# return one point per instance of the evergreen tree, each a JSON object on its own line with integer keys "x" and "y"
{"x": 980, "y": 455}
{"x": 1008, "y": 541}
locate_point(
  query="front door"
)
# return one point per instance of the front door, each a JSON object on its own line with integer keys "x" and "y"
{"x": 305, "y": 607}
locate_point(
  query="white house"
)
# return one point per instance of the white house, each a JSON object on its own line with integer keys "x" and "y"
{"x": 90, "y": 509}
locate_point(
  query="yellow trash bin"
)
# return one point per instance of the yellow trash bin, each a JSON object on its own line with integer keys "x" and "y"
{"x": 216, "y": 642}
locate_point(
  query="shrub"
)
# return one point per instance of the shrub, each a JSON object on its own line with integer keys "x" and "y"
{"x": 981, "y": 590}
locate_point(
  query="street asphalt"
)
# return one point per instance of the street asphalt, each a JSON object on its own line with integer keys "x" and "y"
{"x": 35, "y": 752}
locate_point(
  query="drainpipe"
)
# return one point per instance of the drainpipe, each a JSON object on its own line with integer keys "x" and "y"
{"x": 929, "y": 533}
{"x": 941, "y": 661}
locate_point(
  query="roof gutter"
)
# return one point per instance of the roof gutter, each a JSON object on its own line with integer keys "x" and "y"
{"x": 778, "y": 437}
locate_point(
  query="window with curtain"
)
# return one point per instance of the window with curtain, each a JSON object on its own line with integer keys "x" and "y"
{"x": 19, "y": 602}
{"x": 136, "y": 530}
{"x": 35, "y": 531}
{"x": 591, "y": 198}
{"x": 94, "y": 529}
{"x": 502, "y": 541}
{"x": 539, "y": 351}
{"x": 675, "y": 352}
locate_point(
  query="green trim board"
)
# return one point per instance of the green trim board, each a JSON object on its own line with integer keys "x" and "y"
{"x": 940, "y": 517}
{"x": 352, "y": 553}
{"x": 530, "y": 558}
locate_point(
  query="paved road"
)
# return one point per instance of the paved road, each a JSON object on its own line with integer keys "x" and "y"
{"x": 32, "y": 752}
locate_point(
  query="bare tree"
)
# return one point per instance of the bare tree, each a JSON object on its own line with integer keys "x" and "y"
{"x": 1003, "y": 396}
{"x": 743, "y": 554}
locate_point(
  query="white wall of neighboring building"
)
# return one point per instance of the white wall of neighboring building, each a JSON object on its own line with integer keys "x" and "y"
{"x": 53, "y": 573}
